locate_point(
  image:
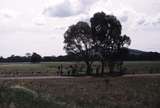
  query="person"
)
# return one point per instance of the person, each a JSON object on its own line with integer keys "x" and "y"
{"x": 75, "y": 69}
{"x": 97, "y": 70}
{"x": 69, "y": 70}
{"x": 61, "y": 69}
{"x": 58, "y": 70}
{"x": 81, "y": 68}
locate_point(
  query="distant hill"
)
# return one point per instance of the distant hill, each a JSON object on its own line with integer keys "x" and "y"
{"x": 136, "y": 52}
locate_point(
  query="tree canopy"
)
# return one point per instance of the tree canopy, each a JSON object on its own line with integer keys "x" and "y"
{"x": 35, "y": 58}
{"x": 78, "y": 41}
{"x": 102, "y": 39}
{"x": 106, "y": 32}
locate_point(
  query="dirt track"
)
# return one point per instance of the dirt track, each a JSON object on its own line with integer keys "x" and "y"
{"x": 141, "y": 75}
{"x": 64, "y": 77}
{"x": 34, "y": 77}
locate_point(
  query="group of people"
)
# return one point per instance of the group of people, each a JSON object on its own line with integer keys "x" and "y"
{"x": 75, "y": 69}
{"x": 71, "y": 70}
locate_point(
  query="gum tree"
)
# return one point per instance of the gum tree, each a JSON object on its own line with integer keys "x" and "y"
{"x": 78, "y": 41}
{"x": 106, "y": 34}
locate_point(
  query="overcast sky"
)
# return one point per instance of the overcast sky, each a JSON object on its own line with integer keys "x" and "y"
{"x": 39, "y": 25}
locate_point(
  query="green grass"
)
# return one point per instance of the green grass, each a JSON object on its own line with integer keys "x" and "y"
{"x": 24, "y": 69}
{"x": 50, "y": 68}
{"x": 143, "y": 67}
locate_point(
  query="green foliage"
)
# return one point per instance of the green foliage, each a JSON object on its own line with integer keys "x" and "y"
{"x": 35, "y": 58}
{"x": 78, "y": 41}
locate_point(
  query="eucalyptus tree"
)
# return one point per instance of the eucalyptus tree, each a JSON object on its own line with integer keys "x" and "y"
{"x": 78, "y": 41}
{"x": 106, "y": 34}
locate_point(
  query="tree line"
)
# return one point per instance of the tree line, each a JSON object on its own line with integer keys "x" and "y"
{"x": 145, "y": 56}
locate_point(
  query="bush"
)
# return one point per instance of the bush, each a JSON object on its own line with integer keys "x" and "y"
{"x": 36, "y": 58}
{"x": 20, "y": 97}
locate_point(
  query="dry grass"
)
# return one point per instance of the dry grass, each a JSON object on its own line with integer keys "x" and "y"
{"x": 91, "y": 92}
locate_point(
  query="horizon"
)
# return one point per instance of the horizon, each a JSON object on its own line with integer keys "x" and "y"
{"x": 40, "y": 28}
{"x": 66, "y": 54}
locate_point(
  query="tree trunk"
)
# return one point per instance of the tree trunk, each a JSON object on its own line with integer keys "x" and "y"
{"x": 88, "y": 71}
{"x": 102, "y": 67}
{"x": 120, "y": 68}
{"x": 111, "y": 66}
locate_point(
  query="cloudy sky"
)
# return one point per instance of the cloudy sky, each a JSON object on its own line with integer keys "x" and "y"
{"x": 38, "y": 25}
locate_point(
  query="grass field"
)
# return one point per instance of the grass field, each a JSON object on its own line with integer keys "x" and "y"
{"x": 143, "y": 67}
{"x": 29, "y": 69}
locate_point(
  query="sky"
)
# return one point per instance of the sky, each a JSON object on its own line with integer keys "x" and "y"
{"x": 39, "y": 25}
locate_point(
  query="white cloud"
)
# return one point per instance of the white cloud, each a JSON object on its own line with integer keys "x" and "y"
{"x": 63, "y": 9}
{"x": 39, "y": 20}
{"x": 156, "y": 20}
{"x": 7, "y": 15}
{"x": 68, "y": 8}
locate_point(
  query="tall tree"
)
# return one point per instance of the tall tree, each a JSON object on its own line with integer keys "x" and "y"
{"x": 78, "y": 41}
{"x": 106, "y": 32}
